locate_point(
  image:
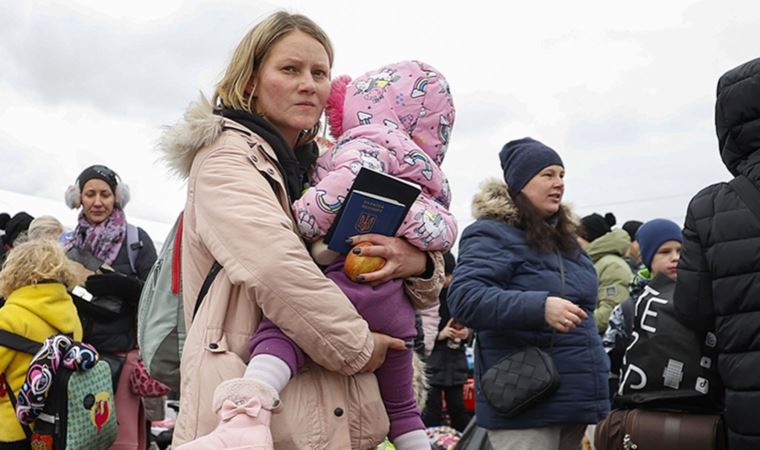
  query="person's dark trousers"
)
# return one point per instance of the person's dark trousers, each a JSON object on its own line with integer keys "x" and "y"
{"x": 15, "y": 445}
{"x": 433, "y": 414}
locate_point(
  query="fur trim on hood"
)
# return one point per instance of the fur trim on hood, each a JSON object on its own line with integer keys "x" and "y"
{"x": 198, "y": 128}
{"x": 493, "y": 202}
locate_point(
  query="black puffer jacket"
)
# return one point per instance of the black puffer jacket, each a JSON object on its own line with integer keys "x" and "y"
{"x": 719, "y": 272}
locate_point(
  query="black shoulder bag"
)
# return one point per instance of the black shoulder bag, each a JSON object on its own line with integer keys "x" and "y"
{"x": 523, "y": 378}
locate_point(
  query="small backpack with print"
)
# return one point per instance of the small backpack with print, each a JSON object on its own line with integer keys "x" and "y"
{"x": 73, "y": 408}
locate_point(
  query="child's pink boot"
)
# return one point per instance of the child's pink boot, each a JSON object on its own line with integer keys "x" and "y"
{"x": 244, "y": 407}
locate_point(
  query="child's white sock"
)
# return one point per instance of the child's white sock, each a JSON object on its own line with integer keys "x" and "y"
{"x": 413, "y": 440}
{"x": 270, "y": 370}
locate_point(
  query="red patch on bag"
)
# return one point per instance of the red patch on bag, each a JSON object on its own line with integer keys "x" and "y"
{"x": 42, "y": 442}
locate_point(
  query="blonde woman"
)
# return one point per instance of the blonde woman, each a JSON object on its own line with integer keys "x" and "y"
{"x": 34, "y": 282}
{"x": 45, "y": 227}
{"x": 246, "y": 156}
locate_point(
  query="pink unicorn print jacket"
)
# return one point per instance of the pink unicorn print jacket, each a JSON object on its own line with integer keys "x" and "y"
{"x": 395, "y": 120}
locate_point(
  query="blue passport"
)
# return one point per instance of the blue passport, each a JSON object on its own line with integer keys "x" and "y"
{"x": 376, "y": 203}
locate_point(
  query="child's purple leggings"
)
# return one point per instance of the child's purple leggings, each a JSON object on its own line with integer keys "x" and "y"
{"x": 387, "y": 310}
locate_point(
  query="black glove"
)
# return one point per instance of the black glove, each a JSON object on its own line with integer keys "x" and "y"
{"x": 116, "y": 284}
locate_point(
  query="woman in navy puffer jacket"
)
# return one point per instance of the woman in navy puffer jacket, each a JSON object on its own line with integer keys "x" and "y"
{"x": 509, "y": 288}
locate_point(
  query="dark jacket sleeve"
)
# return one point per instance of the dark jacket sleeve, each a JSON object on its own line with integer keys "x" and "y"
{"x": 693, "y": 301}
{"x": 479, "y": 294}
{"x": 147, "y": 256}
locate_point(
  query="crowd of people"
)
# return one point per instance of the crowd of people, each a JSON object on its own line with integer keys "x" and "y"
{"x": 288, "y": 352}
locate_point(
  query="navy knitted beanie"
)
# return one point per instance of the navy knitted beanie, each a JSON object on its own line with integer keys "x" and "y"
{"x": 522, "y": 159}
{"x": 653, "y": 234}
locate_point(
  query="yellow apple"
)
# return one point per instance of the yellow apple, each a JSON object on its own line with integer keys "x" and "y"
{"x": 356, "y": 265}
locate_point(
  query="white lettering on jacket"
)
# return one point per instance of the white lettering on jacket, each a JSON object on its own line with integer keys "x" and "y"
{"x": 648, "y": 309}
{"x": 632, "y": 368}
{"x": 642, "y": 375}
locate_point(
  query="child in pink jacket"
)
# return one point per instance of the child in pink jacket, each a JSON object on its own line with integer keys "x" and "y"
{"x": 395, "y": 120}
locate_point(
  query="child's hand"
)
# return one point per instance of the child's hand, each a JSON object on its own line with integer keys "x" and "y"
{"x": 383, "y": 343}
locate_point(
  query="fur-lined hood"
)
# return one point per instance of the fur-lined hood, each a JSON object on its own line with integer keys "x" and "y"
{"x": 198, "y": 128}
{"x": 494, "y": 202}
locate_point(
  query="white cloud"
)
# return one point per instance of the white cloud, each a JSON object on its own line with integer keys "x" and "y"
{"x": 624, "y": 92}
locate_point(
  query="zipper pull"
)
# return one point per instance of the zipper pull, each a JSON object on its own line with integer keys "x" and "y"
{"x": 628, "y": 444}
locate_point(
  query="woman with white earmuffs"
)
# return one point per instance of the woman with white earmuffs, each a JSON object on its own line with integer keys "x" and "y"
{"x": 120, "y": 256}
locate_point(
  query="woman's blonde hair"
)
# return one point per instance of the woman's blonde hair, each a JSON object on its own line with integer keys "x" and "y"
{"x": 249, "y": 55}
{"x": 45, "y": 227}
{"x": 32, "y": 262}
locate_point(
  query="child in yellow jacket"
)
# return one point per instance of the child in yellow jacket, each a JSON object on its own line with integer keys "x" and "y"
{"x": 34, "y": 281}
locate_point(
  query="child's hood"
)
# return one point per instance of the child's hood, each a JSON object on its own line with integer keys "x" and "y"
{"x": 409, "y": 96}
{"x": 48, "y": 301}
{"x": 616, "y": 242}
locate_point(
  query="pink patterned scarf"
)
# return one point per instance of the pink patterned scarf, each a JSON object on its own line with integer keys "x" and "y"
{"x": 103, "y": 240}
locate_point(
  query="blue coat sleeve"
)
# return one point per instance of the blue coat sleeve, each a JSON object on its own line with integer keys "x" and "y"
{"x": 479, "y": 295}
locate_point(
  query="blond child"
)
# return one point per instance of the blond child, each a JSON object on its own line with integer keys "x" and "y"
{"x": 34, "y": 282}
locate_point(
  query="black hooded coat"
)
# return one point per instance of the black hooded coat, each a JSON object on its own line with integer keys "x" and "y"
{"x": 718, "y": 285}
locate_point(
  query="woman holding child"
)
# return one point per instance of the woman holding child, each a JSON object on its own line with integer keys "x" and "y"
{"x": 246, "y": 156}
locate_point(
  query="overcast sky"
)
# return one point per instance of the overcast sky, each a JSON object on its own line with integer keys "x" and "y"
{"x": 624, "y": 91}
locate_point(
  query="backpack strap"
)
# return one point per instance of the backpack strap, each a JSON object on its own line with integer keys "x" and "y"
{"x": 628, "y": 310}
{"x": 748, "y": 193}
{"x": 12, "y": 397}
{"x": 177, "y": 255}
{"x": 176, "y": 267}
{"x": 215, "y": 268}
{"x": 19, "y": 343}
{"x": 134, "y": 244}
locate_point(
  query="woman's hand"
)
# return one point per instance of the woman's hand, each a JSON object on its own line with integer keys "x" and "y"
{"x": 402, "y": 259}
{"x": 382, "y": 344}
{"x": 115, "y": 283}
{"x": 563, "y": 315}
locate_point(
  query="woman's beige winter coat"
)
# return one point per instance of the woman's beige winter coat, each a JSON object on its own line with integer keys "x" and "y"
{"x": 237, "y": 213}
